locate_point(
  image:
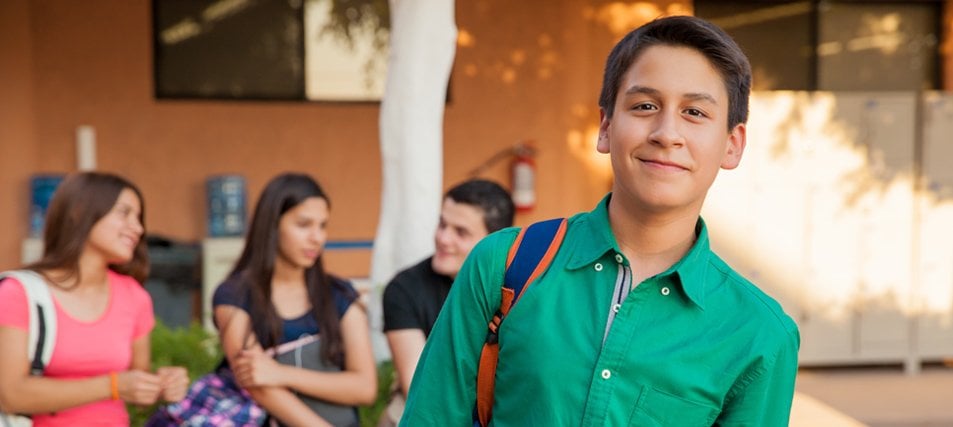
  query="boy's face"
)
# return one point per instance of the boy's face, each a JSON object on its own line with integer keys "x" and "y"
{"x": 460, "y": 228}
{"x": 668, "y": 135}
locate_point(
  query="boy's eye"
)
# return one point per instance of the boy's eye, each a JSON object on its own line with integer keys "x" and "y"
{"x": 694, "y": 112}
{"x": 643, "y": 107}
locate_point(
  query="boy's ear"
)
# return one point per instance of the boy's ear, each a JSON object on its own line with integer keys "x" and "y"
{"x": 735, "y": 147}
{"x": 602, "y": 144}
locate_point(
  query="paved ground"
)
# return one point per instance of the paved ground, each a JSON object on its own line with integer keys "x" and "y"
{"x": 874, "y": 397}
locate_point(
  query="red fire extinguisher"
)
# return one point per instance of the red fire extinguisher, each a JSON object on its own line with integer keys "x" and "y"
{"x": 524, "y": 177}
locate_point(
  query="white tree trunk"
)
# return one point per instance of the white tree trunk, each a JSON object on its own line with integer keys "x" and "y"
{"x": 422, "y": 45}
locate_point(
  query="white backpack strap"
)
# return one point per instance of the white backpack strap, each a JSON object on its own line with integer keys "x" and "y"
{"x": 42, "y": 329}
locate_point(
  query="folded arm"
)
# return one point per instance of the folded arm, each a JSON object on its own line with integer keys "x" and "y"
{"x": 278, "y": 401}
{"x": 23, "y": 393}
{"x": 357, "y": 383}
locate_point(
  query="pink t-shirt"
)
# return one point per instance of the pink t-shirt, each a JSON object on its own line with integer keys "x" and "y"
{"x": 85, "y": 349}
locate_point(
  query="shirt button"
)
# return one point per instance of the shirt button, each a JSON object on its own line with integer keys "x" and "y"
{"x": 615, "y": 307}
{"x": 598, "y": 266}
{"x": 618, "y": 258}
{"x": 606, "y": 374}
{"x": 665, "y": 290}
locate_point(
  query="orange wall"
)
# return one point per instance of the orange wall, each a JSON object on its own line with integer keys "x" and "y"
{"x": 521, "y": 72}
{"x": 17, "y": 142}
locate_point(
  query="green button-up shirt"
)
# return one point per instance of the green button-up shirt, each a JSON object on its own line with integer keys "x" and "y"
{"x": 697, "y": 345}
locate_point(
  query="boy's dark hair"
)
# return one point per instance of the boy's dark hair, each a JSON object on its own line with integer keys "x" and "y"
{"x": 487, "y": 196}
{"x": 721, "y": 50}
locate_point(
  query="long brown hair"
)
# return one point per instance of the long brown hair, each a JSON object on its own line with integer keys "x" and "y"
{"x": 256, "y": 266}
{"x": 80, "y": 201}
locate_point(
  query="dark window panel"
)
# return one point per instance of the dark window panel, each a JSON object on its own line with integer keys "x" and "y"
{"x": 240, "y": 49}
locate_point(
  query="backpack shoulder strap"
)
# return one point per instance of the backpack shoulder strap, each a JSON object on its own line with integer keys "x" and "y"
{"x": 529, "y": 256}
{"x": 42, "y": 329}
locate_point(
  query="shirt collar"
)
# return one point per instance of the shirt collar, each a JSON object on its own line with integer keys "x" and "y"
{"x": 596, "y": 239}
{"x": 692, "y": 270}
{"x": 595, "y": 236}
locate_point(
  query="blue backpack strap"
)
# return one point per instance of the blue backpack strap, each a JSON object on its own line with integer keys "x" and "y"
{"x": 535, "y": 243}
{"x": 529, "y": 256}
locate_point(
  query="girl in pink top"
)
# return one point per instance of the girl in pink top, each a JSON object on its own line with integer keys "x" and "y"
{"x": 94, "y": 261}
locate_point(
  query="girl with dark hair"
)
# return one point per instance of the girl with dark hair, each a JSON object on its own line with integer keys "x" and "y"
{"x": 93, "y": 263}
{"x": 279, "y": 296}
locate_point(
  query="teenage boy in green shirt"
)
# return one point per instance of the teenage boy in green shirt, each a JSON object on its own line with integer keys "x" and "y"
{"x": 636, "y": 322}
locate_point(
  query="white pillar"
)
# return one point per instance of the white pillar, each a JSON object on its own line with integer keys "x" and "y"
{"x": 422, "y": 45}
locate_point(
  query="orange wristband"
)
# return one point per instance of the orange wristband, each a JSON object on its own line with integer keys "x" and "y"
{"x": 114, "y": 385}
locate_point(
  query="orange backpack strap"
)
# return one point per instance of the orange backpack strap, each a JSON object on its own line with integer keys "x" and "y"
{"x": 529, "y": 256}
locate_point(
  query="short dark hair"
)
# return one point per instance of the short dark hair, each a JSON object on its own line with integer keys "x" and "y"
{"x": 487, "y": 196}
{"x": 688, "y": 31}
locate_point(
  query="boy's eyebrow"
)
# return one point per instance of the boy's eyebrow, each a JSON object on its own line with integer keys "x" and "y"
{"x": 701, "y": 96}
{"x": 643, "y": 90}
{"x": 693, "y": 96}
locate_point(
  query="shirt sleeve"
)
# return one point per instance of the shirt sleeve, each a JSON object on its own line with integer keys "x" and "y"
{"x": 229, "y": 292}
{"x": 443, "y": 390}
{"x": 134, "y": 295}
{"x": 763, "y": 398}
{"x": 13, "y": 309}
{"x": 398, "y": 305}
{"x": 343, "y": 293}
{"x": 146, "y": 319}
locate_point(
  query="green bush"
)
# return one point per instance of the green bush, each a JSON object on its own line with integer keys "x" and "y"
{"x": 194, "y": 347}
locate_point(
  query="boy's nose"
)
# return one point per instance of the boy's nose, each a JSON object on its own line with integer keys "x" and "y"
{"x": 666, "y": 131}
{"x": 442, "y": 236}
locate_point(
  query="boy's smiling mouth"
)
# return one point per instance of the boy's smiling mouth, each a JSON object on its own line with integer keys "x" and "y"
{"x": 662, "y": 164}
